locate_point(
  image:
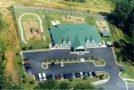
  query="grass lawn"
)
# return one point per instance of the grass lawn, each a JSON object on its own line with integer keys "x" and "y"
{"x": 77, "y": 81}
{"x": 19, "y": 67}
{"x": 106, "y": 76}
{"x": 36, "y": 44}
{"x": 99, "y": 62}
{"x": 129, "y": 81}
{"x": 29, "y": 83}
{"x": 129, "y": 70}
{"x": 90, "y": 5}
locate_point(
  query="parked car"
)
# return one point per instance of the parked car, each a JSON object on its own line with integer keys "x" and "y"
{"x": 62, "y": 77}
{"x": 49, "y": 76}
{"x": 40, "y": 77}
{"x": 53, "y": 76}
{"x": 26, "y": 64}
{"x": 26, "y": 59}
{"x": 58, "y": 76}
{"x": 73, "y": 75}
{"x": 62, "y": 64}
{"x": 44, "y": 76}
{"x": 81, "y": 74}
{"x": 27, "y": 68}
{"x": 90, "y": 74}
{"x": 77, "y": 75}
{"x": 65, "y": 76}
{"x": 94, "y": 74}
{"x": 70, "y": 75}
{"x": 85, "y": 74}
{"x": 109, "y": 44}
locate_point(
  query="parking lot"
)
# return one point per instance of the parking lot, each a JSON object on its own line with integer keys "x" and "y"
{"x": 36, "y": 58}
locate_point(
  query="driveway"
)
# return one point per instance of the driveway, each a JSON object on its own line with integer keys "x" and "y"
{"x": 114, "y": 83}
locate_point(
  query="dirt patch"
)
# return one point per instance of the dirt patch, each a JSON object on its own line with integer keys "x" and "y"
{"x": 102, "y": 25}
{"x": 10, "y": 68}
{"x": 73, "y": 19}
{"x": 31, "y": 30}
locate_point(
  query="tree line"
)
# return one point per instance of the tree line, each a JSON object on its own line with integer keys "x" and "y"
{"x": 53, "y": 84}
{"x": 123, "y": 16}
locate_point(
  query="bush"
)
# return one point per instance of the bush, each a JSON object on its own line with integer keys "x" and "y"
{"x": 31, "y": 82}
{"x": 19, "y": 63}
{"x": 23, "y": 81}
{"x": 70, "y": 79}
{"x": 92, "y": 58}
{"x": 23, "y": 76}
{"x": 84, "y": 78}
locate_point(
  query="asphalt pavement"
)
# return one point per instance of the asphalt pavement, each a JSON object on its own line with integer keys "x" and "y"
{"x": 114, "y": 83}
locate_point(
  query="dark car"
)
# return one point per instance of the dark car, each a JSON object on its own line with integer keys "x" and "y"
{"x": 50, "y": 77}
{"x": 122, "y": 69}
{"x": 28, "y": 68}
{"x": 58, "y": 76}
{"x": 94, "y": 74}
{"x": 86, "y": 74}
{"x": 70, "y": 75}
{"x": 77, "y": 75}
{"x": 65, "y": 76}
{"x": 26, "y": 64}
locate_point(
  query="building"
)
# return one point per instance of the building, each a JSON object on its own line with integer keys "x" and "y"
{"x": 78, "y": 37}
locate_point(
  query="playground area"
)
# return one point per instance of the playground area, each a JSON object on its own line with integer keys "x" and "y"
{"x": 31, "y": 30}
{"x": 102, "y": 25}
{"x": 73, "y": 19}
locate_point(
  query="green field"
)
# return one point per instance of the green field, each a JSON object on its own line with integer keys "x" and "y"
{"x": 129, "y": 70}
{"x": 36, "y": 44}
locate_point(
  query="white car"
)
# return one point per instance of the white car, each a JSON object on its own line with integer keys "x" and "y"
{"x": 62, "y": 77}
{"x": 62, "y": 64}
{"x": 90, "y": 74}
{"x": 44, "y": 76}
{"x": 73, "y": 74}
{"x": 81, "y": 74}
{"x": 40, "y": 77}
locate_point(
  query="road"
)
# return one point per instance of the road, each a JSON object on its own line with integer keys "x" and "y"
{"x": 114, "y": 83}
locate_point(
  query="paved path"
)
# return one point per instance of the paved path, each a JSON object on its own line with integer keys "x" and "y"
{"x": 114, "y": 83}
{"x": 63, "y": 11}
{"x": 21, "y": 28}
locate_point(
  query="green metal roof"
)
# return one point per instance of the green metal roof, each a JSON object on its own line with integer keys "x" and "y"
{"x": 76, "y": 33}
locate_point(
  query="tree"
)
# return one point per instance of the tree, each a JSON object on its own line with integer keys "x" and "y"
{"x": 124, "y": 16}
{"x": 82, "y": 86}
{"x": 63, "y": 86}
{"x": 48, "y": 84}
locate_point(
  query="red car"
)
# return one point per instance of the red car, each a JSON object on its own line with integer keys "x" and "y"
{"x": 26, "y": 59}
{"x": 58, "y": 76}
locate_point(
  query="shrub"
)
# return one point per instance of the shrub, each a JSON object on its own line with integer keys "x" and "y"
{"x": 70, "y": 79}
{"x": 84, "y": 78}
